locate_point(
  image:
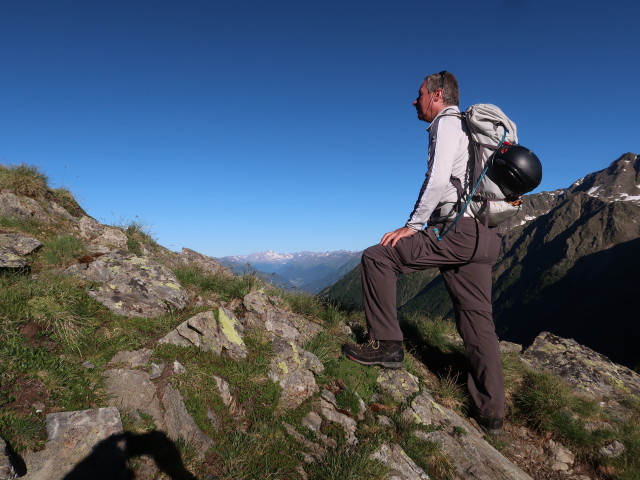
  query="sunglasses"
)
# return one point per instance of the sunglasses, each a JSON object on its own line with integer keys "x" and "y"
{"x": 442, "y": 75}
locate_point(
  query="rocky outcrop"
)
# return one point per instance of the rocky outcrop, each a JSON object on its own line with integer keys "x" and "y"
{"x": 132, "y": 286}
{"x": 586, "y": 371}
{"x": 25, "y": 208}
{"x": 294, "y": 369}
{"x": 180, "y": 425}
{"x": 73, "y": 437}
{"x": 218, "y": 332}
{"x": 400, "y": 464}
{"x": 464, "y": 445}
{"x": 134, "y": 392}
{"x": 101, "y": 238}
{"x": 263, "y": 312}
{"x": 13, "y": 249}
{"x": 207, "y": 264}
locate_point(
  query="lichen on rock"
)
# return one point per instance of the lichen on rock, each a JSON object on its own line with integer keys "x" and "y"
{"x": 132, "y": 286}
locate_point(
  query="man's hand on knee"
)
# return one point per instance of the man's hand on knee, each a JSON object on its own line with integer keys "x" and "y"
{"x": 393, "y": 237}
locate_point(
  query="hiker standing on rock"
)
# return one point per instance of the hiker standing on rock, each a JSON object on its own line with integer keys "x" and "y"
{"x": 465, "y": 257}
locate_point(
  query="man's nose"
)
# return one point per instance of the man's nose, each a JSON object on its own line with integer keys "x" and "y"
{"x": 415, "y": 102}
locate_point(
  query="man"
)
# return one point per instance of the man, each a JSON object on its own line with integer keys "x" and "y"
{"x": 465, "y": 257}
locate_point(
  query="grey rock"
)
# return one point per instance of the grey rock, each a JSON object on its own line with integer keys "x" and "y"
{"x": 10, "y": 259}
{"x": 72, "y": 437}
{"x": 88, "y": 365}
{"x": 134, "y": 359}
{"x": 326, "y": 407}
{"x": 400, "y": 464}
{"x": 19, "y": 243}
{"x": 384, "y": 420}
{"x": 586, "y": 371}
{"x": 6, "y": 469}
{"x": 293, "y": 368}
{"x": 132, "y": 390}
{"x": 155, "y": 370}
{"x": 399, "y": 384}
{"x": 180, "y": 424}
{"x": 178, "y": 368}
{"x": 510, "y": 347}
{"x": 101, "y": 238}
{"x": 312, "y": 421}
{"x": 219, "y": 336}
{"x": 316, "y": 451}
{"x": 24, "y": 208}
{"x": 470, "y": 454}
{"x": 132, "y": 286}
{"x": 264, "y": 313}
{"x": 613, "y": 449}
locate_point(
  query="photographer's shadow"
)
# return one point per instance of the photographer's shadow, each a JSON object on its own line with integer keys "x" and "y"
{"x": 109, "y": 458}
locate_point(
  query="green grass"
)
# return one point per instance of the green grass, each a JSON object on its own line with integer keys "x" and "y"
{"x": 226, "y": 288}
{"x": 62, "y": 250}
{"x": 450, "y": 392}
{"x": 23, "y": 180}
{"x": 429, "y": 456}
{"x": 138, "y": 237}
{"x": 435, "y": 333}
{"x": 349, "y": 463}
{"x": 546, "y": 403}
{"x": 58, "y": 303}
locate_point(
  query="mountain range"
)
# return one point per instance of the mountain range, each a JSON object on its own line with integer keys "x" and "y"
{"x": 306, "y": 271}
{"x": 571, "y": 267}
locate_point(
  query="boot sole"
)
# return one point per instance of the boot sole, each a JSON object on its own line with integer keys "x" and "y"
{"x": 393, "y": 365}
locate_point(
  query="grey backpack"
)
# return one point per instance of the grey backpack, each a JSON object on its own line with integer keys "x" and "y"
{"x": 489, "y": 129}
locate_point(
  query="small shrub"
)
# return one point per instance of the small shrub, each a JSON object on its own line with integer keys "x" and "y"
{"x": 23, "y": 180}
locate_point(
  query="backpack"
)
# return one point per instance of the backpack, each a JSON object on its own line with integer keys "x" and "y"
{"x": 489, "y": 129}
{"x": 489, "y": 200}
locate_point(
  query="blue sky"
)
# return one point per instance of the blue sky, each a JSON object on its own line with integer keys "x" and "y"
{"x": 237, "y": 127}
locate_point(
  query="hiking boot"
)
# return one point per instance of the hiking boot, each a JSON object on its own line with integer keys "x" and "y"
{"x": 489, "y": 425}
{"x": 386, "y": 353}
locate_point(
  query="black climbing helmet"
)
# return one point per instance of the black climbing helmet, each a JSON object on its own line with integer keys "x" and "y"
{"x": 516, "y": 169}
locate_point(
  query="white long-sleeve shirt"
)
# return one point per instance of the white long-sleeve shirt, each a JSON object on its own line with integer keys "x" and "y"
{"x": 448, "y": 156}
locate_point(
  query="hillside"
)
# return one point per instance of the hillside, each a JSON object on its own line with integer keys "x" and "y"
{"x": 121, "y": 359}
{"x": 570, "y": 267}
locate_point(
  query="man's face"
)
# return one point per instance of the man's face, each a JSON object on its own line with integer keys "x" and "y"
{"x": 424, "y": 104}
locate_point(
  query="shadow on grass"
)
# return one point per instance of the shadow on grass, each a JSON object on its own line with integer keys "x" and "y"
{"x": 443, "y": 363}
{"x": 108, "y": 460}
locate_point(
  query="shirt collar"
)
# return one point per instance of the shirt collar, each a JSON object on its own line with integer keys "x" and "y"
{"x": 449, "y": 109}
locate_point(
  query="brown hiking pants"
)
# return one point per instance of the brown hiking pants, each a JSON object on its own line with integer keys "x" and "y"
{"x": 465, "y": 257}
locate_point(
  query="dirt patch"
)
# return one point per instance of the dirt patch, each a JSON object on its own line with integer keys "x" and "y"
{"x": 29, "y": 394}
{"x": 37, "y": 337}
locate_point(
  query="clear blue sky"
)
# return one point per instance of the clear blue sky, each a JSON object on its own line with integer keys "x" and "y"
{"x": 231, "y": 127}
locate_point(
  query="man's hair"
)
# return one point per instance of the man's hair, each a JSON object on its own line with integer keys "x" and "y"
{"x": 449, "y": 85}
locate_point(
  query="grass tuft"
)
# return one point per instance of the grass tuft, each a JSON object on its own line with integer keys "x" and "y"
{"x": 349, "y": 463}
{"x": 226, "y": 288}
{"x": 63, "y": 250}
{"x": 23, "y": 180}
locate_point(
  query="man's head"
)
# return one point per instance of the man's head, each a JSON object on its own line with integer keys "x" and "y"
{"x": 437, "y": 92}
